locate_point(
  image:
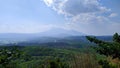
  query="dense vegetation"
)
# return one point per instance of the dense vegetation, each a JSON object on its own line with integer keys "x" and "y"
{"x": 46, "y": 57}
{"x": 28, "y": 57}
{"x": 63, "y": 54}
{"x": 110, "y": 49}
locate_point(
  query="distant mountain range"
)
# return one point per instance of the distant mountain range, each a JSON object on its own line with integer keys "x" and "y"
{"x": 53, "y": 35}
{"x": 56, "y": 33}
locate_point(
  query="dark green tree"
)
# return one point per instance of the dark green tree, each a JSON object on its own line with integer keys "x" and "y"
{"x": 8, "y": 55}
{"x": 111, "y": 49}
{"x": 116, "y": 38}
{"x": 107, "y": 48}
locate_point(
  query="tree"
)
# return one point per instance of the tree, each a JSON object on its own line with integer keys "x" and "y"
{"x": 109, "y": 49}
{"x": 116, "y": 38}
{"x": 8, "y": 55}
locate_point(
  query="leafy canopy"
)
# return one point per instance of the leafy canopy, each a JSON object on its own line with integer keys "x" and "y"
{"x": 107, "y": 48}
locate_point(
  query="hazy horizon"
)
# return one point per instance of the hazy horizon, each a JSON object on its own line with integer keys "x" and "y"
{"x": 57, "y": 31}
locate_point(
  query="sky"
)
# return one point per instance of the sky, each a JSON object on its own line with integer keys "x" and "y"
{"x": 92, "y": 17}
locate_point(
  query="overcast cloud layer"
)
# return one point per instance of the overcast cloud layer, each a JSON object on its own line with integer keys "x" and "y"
{"x": 87, "y": 16}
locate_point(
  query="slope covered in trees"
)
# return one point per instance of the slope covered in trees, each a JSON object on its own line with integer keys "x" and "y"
{"x": 51, "y": 55}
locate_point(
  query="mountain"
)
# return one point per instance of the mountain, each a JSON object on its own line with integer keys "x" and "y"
{"x": 55, "y": 32}
{"x": 20, "y": 37}
{"x": 60, "y": 32}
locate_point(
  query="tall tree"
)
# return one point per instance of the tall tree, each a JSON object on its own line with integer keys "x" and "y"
{"x": 107, "y": 48}
{"x": 116, "y": 38}
{"x": 111, "y": 49}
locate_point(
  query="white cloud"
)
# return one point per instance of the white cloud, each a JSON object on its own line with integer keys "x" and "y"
{"x": 113, "y": 15}
{"x": 78, "y": 10}
{"x": 87, "y": 16}
{"x": 74, "y": 7}
{"x": 48, "y": 2}
{"x": 89, "y": 19}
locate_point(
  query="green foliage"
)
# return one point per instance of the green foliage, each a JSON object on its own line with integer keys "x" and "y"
{"x": 56, "y": 63}
{"x": 7, "y": 56}
{"x": 116, "y": 38}
{"x": 106, "y": 64}
{"x": 47, "y": 57}
{"x": 109, "y": 49}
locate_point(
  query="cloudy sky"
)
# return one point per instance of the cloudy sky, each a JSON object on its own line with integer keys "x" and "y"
{"x": 93, "y": 17}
